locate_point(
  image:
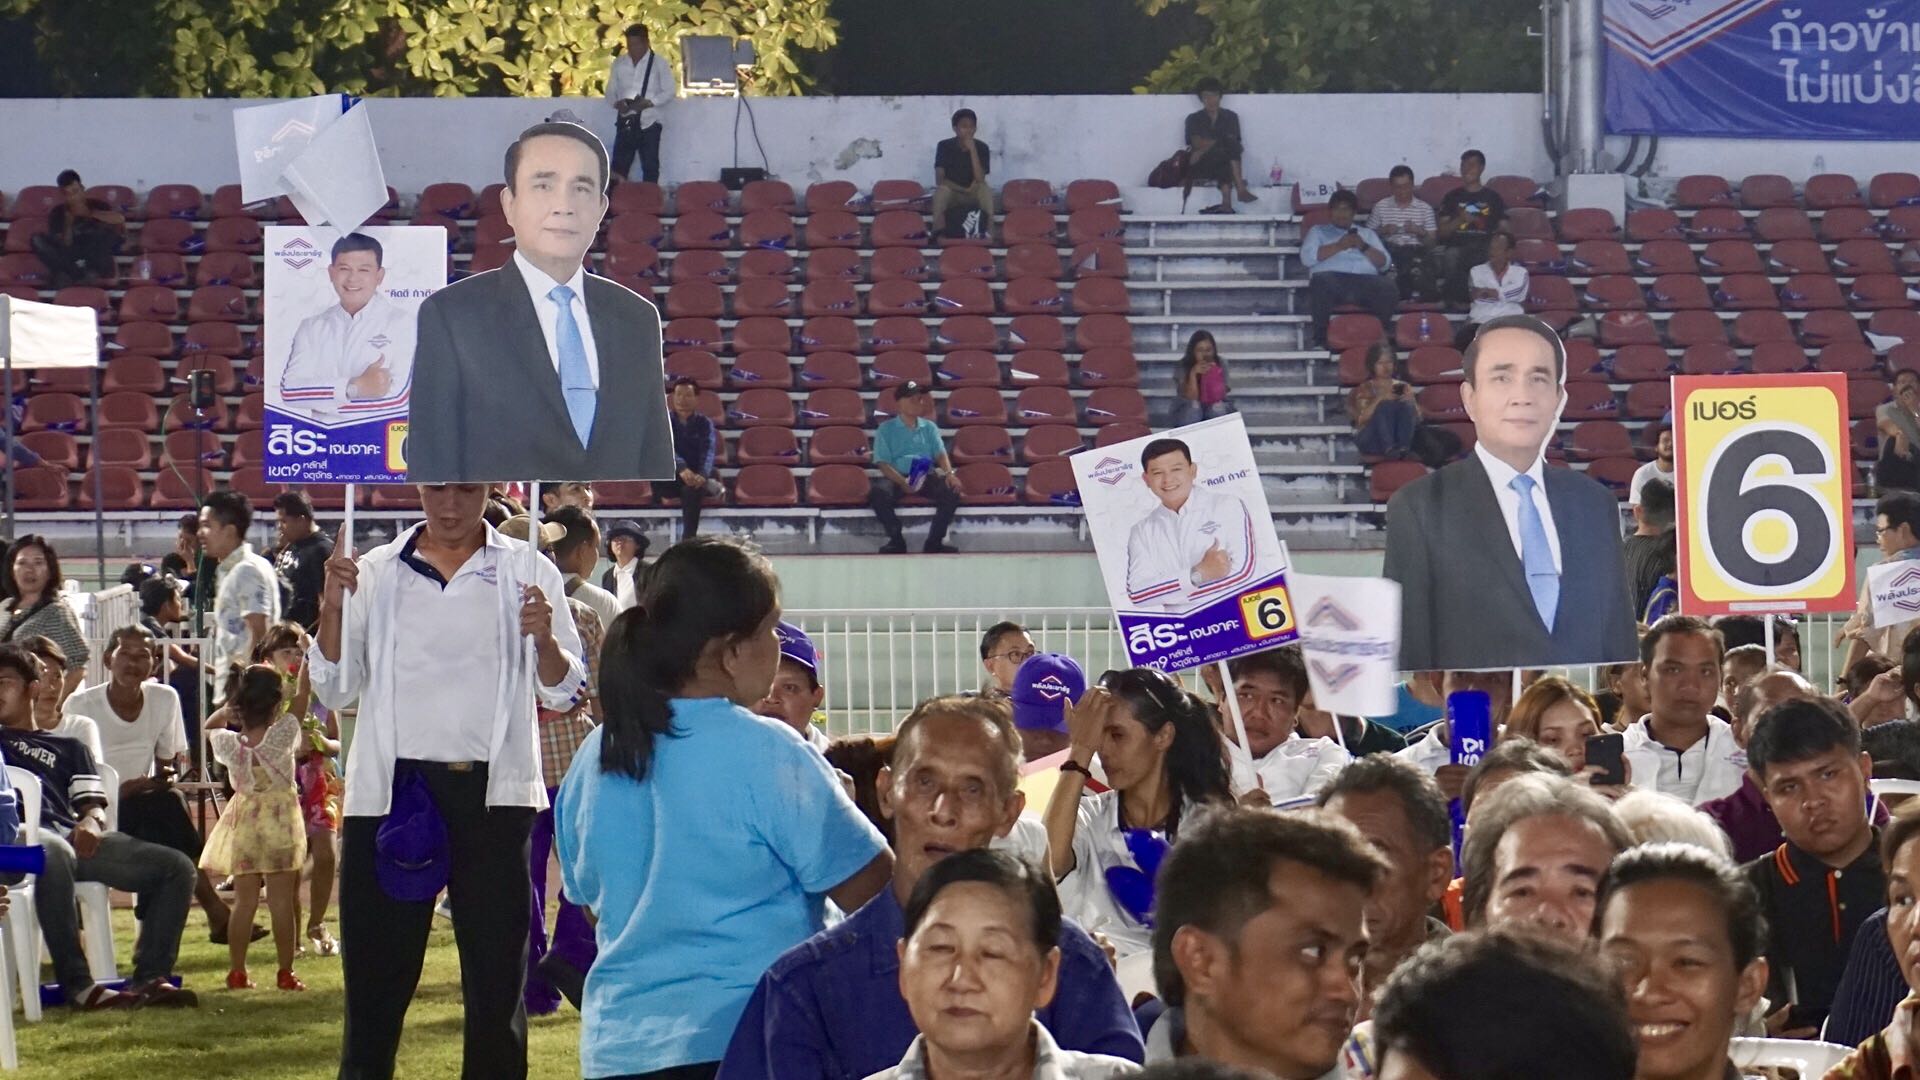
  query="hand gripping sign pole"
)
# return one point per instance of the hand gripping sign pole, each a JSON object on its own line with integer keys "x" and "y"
{"x": 346, "y": 537}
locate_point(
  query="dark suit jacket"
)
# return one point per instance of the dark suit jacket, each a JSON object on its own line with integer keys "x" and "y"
{"x": 1464, "y": 600}
{"x": 487, "y": 404}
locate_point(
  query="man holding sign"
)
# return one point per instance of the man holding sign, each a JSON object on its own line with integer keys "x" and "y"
{"x": 1482, "y": 549}
{"x": 1195, "y": 546}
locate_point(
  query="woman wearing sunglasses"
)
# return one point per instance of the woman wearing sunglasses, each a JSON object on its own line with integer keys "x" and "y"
{"x": 1161, "y": 756}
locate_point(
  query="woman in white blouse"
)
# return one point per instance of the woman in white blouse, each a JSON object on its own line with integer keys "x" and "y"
{"x": 1498, "y": 286}
{"x": 1162, "y": 755}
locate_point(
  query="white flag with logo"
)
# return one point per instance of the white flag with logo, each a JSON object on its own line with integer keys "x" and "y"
{"x": 269, "y": 137}
{"x": 1895, "y": 588}
{"x": 337, "y": 179}
{"x": 36, "y": 335}
{"x": 1350, "y": 638}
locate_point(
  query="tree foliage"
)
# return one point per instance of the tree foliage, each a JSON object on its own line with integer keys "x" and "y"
{"x": 1353, "y": 46}
{"x": 448, "y": 48}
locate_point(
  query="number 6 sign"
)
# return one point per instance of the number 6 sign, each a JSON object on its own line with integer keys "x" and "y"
{"x": 1765, "y": 493}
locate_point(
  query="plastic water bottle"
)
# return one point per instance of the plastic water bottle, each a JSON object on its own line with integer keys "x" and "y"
{"x": 1819, "y": 164}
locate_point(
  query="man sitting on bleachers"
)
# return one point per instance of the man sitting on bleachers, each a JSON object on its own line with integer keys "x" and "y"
{"x": 1348, "y": 264}
{"x": 913, "y": 460}
{"x": 1406, "y": 223}
{"x": 82, "y": 235}
{"x": 1469, "y": 216}
{"x": 960, "y": 168}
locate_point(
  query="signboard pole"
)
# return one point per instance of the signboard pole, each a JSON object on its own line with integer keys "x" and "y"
{"x": 1767, "y": 620}
{"x": 533, "y": 552}
{"x": 11, "y": 531}
{"x": 1242, "y": 750}
{"x": 99, "y": 485}
{"x": 346, "y": 602}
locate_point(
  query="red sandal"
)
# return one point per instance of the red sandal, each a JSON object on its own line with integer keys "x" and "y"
{"x": 238, "y": 979}
{"x": 289, "y": 981}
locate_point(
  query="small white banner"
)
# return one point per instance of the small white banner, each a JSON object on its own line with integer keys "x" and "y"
{"x": 1350, "y": 636}
{"x": 1895, "y": 588}
{"x": 36, "y": 335}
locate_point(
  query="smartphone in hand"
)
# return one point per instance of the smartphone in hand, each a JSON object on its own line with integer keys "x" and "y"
{"x": 1605, "y": 751}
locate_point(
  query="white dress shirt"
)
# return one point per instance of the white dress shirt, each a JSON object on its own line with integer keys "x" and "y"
{"x": 623, "y": 585}
{"x": 1430, "y": 751}
{"x": 1501, "y": 474}
{"x": 440, "y": 631}
{"x": 1298, "y": 766}
{"x": 332, "y": 348}
{"x": 366, "y": 672}
{"x": 629, "y": 79}
{"x": 1164, "y": 546}
{"x": 538, "y": 286}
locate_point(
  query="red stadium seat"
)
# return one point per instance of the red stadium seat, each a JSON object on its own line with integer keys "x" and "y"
{"x": 1717, "y": 223}
{"x": 1414, "y": 329}
{"x": 1028, "y": 194}
{"x": 1855, "y": 358}
{"x": 987, "y": 483}
{"x": 1763, "y": 191}
{"x": 636, "y": 197}
{"x": 1082, "y": 194}
{"x": 768, "y": 486}
{"x": 890, "y": 369}
{"x": 763, "y": 332}
{"x": 1779, "y": 358}
{"x": 218, "y": 303}
{"x": 1649, "y": 400}
{"x": 1830, "y": 190}
{"x": 834, "y": 195}
{"x": 1436, "y": 188}
{"x": 87, "y": 296}
{"x": 967, "y": 332}
{"x": 767, "y": 195}
{"x": 1754, "y": 327}
{"x": 1745, "y": 292}
{"x": 1731, "y": 257}
{"x": 1710, "y": 360}
{"x": 35, "y": 201}
{"x": 225, "y": 381}
{"x": 697, "y": 364}
{"x": 144, "y": 338}
{"x": 769, "y": 296}
{"x": 164, "y": 236}
{"x": 1101, "y": 258}
{"x": 1109, "y": 367}
{"x": 1641, "y": 363}
{"x": 1358, "y": 331}
{"x": 60, "y": 380}
{"x": 226, "y": 268}
{"x": 118, "y": 197}
{"x": 827, "y": 408}
{"x": 192, "y": 449}
{"x": 1048, "y": 332}
{"x": 21, "y": 234}
{"x": 635, "y": 228}
{"x": 395, "y": 497}
{"x": 1612, "y": 292}
{"x": 1583, "y": 362}
{"x": 1527, "y": 223}
{"x": 1549, "y": 293}
{"x": 963, "y": 296}
{"x": 1371, "y": 192}
{"x": 1049, "y": 442}
{"x": 174, "y": 201}
{"x": 1094, "y": 225}
{"x": 241, "y": 234}
{"x": 899, "y": 228}
{"x": 899, "y": 332}
{"x": 1102, "y": 331}
{"x": 43, "y": 487}
{"x": 1027, "y": 226}
{"x": 969, "y": 367}
{"x": 1900, "y": 324}
{"x": 1033, "y": 296}
{"x": 838, "y": 485}
{"x": 766, "y": 264}
{"x": 636, "y": 267}
{"x": 1665, "y": 257}
{"x": 1038, "y": 367}
{"x": 1540, "y": 257}
{"x": 701, "y": 334}
{"x": 1435, "y": 364}
{"x": 1849, "y": 223}
{"x": 446, "y": 203}
{"x": 698, "y": 229}
{"x": 771, "y": 229}
{"x": 693, "y": 196}
{"x": 1616, "y": 473}
{"x": 1094, "y": 296}
{"x": 1045, "y": 405}
{"x": 1598, "y": 257}
{"x": 892, "y": 264}
{"x": 1783, "y": 223}
{"x": 129, "y": 409}
{"x": 1904, "y": 356}
{"x": 1587, "y": 223}
{"x": 971, "y": 444}
{"x": 897, "y": 296}
{"x": 1679, "y": 292}
{"x": 1119, "y": 433}
{"x": 181, "y": 416}
{"x": 1116, "y": 405}
{"x": 24, "y": 268}
{"x": 1866, "y": 395}
{"x": 161, "y": 268}
{"x": 1622, "y": 328}
{"x": 762, "y": 407}
{"x": 823, "y": 298}
{"x": 119, "y": 489}
{"x": 1877, "y": 292}
{"x": 974, "y": 405}
{"x": 1825, "y": 327}
{"x": 830, "y": 370}
{"x": 1797, "y": 257}
{"x": 1591, "y": 440}
{"x": 1517, "y": 190}
{"x": 1863, "y": 256}
{"x": 1589, "y": 401}
{"x": 843, "y": 445}
{"x": 1654, "y": 223}
{"x": 149, "y": 303}
{"x": 761, "y": 369}
{"x": 1388, "y": 477}
{"x": 1051, "y": 483}
{"x": 60, "y": 448}
{"x": 898, "y": 194}
{"x": 1028, "y": 260}
{"x": 1811, "y": 292}
{"x": 1702, "y": 189}
{"x": 55, "y": 412}
{"x": 1892, "y": 189}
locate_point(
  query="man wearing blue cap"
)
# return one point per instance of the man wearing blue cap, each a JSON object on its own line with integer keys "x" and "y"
{"x": 1042, "y": 689}
{"x": 912, "y": 460}
{"x": 796, "y": 692}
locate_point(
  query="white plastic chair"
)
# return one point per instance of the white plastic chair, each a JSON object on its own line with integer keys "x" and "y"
{"x": 22, "y": 924}
{"x": 1806, "y": 1058}
{"x": 96, "y": 909}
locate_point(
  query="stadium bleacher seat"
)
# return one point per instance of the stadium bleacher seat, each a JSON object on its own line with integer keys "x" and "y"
{"x": 838, "y": 445}
{"x": 1854, "y": 358}
{"x": 1710, "y": 359}
{"x": 1641, "y": 363}
{"x": 1109, "y": 367}
{"x": 1717, "y": 223}
{"x": 767, "y": 228}
{"x": 1116, "y": 405}
{"x": 1097, "y": 296}
{"x": 893, "y": 368}
{"x": 963, "y": 296}
{"x": 1731, "y": 257}
{"x": 898, "y": 332}
{"x": 1390, "y": 476}
{"x": 41, "y": 488}
{"x": 1878, "y": 292}
{"x": 697, "y": 364}
{"x": 765, "y": 264}
{"x": 1890, "y": 189}
{"x": 702, "y": 195}
{"x": 1099, "y": 331}
{"x": 1654, "y": 223}
{"x": 833, "y": 408}
{"x": 974, "y": 405}
{"x": 818, "y": 334}
{"x": 1679, "y": 292}
{"x": 767, "y": 195}
{"x": 770, "y": 296}
{"x": 24, "y": 268}
{"x": 1778, "y": 223}
{"x": 761, "y": 369}
{"x": 1627, "y": 327}
{"x": 1085, "y": 193}
{"x": 1862, "y": 255}
{"x": 837, "y": 485}
{"x": 899, "y": 228}
{"x": 1648, "y": 400}
{"x": 226, "y": 268}
{"x": 1750, "y": 328}
{"x": 627, "y": 197}
{"x": 1587, "y": 223}
{"x": 1435, "y": 363}
{"x": 1037, "y": 367}
{"x": 1778, "y": 358}
{"x": 1591, "y": 440}
{"x": 967, "y": 332}
{"x": 702, "y": 334}
{"x": 1811, "y": 292}
{"x": 54, "y": 448}
{"x": 1797, "y": 257}
{"x": 1099, "y": 258}
{"x": 1048, "y": 332}
{"x": 1827, "y": 191}
{"x": 1045, "y": 405}
{"x": 697, "y": 229}
{"x": 1702, "y": 189}
{"x": 1745, "y": 292}
{"x": 762, "y": 406}
{"x": 237, "y": 234}
{"x": 160, "y": 268}
{"x": 833, "y": 195}
{"x": 87, "y": 296}
{"x": 1764, "y": 191}
{"x": 889, "y": 264}
{"x": 1848, "y": 223}
{"x": 896, "y": 296}
{"x": 1527, "y": 223}
{"x": 987, "y": 483}
{"x": 144, "y": 338}
{"x": 1540, "y": 257}
{"x": 1827, "y": 326}
{"x": 1659, "y": 257}
{"x": 225, "y": 380}
{"x": 219, "y": 303}
{"x": 214, "y": 337}
{"x": 1051, "y": 483}
{"x": 174, "y": 201}
{"x": 1050, "y": 442}
{"x": 1095, "y": 224}
{"x": 1596, "y": 257}
{"x": 967, "y": 261}
{"x": 971, "y": 444}
{"x": 1610, "y": 292}
{"x": 969, "y": 367}
{"x": 119, "y": 488}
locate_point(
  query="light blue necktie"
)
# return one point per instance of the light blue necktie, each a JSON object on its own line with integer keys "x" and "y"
{"x": 1536, "y": 555}
{"x": 576, "y": 379}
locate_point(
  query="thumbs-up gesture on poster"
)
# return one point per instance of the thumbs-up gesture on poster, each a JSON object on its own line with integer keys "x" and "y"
{"x": 1214, "y": 565}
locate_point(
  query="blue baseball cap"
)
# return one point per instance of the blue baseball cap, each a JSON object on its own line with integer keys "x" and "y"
{"x": 796, "y": 646}
{"x": 412, "y": 860}
{"x": 1042, "y": 688}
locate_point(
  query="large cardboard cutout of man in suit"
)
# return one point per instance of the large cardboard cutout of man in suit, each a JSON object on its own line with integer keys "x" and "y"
{"x": 539, "y": 345}
{"x": 1505, "y": 563}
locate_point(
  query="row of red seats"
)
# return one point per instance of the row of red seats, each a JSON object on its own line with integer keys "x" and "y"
{"x": 960, "y": 296}
{"x": 1649, "y": 363}
{"x": 1734, "y": 292}
{"x": 1680, "y": 329}
{"x": 144, "y": 374}
{"x": 1100, "y": 258}
{"x": 1825, "y": 191}
{"x": 72, "y": 414}
{"x": 1514, "y": 191}
{"x": 1900, "y": 224}
{"x": 844, "y": 371}
{"x": 152, "y": 303}
{"x": 838, "y": 333}
{"x": 1850, "y": 258}
{"x": 1441, "y": 402}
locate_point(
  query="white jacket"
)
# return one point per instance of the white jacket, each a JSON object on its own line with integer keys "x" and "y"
{"x": 1299, "y": 766}
{"x": 1725, "y": 764}
{"x": 513, "y": 769}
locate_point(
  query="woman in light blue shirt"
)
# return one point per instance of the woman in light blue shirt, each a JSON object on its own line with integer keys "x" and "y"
{"x": 702, "y": 839}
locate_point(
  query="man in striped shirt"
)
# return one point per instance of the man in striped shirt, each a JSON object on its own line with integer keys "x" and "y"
{"x": 1406, "y": 223}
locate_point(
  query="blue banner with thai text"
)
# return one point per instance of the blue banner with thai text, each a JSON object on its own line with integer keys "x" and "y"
{"x": 1763, "y": 69}
{"x": 1257, "y": 617}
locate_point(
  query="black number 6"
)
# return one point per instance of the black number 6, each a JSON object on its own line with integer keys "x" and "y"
{"x": 1729, "y": 508}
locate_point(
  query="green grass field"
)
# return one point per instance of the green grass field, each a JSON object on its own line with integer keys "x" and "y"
{"x": 265, "y": 1032}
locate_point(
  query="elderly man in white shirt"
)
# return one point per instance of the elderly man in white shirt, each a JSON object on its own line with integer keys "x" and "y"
{"x": 435, "y": 647}
{"x": 638, "y": 85}
{"x": 354, "y": 360}
{"x": 1193, "y": 548}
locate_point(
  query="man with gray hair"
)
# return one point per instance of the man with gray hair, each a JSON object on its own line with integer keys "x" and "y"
{"x": 1535, "y": 854}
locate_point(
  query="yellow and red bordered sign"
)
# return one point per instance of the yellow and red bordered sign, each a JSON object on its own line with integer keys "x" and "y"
{"x": 1764, "y": 491}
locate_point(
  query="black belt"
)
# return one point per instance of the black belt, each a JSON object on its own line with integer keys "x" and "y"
{"x": 442, "y": 766}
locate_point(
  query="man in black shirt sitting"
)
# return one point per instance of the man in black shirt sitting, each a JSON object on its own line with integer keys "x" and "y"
{"x": 960, "y": 167}
{"x": 79, "y": 847}
{"x": 1469, "y": 216}
{"x": 81, "y": 238}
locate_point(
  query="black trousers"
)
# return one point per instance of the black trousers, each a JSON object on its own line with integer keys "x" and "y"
{"x": 679, "y": 1072}
{"x": 1329, "y": 289}
{"x": 885, "y": 498}
{"x": 628, "y": 138}
{"x": 691, "y": 497}
{"x": 160, "y": 817}
{"x": 383, "y": 941}
{"x": 88, "y": 258}
{"x": 1457, "y": 259}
